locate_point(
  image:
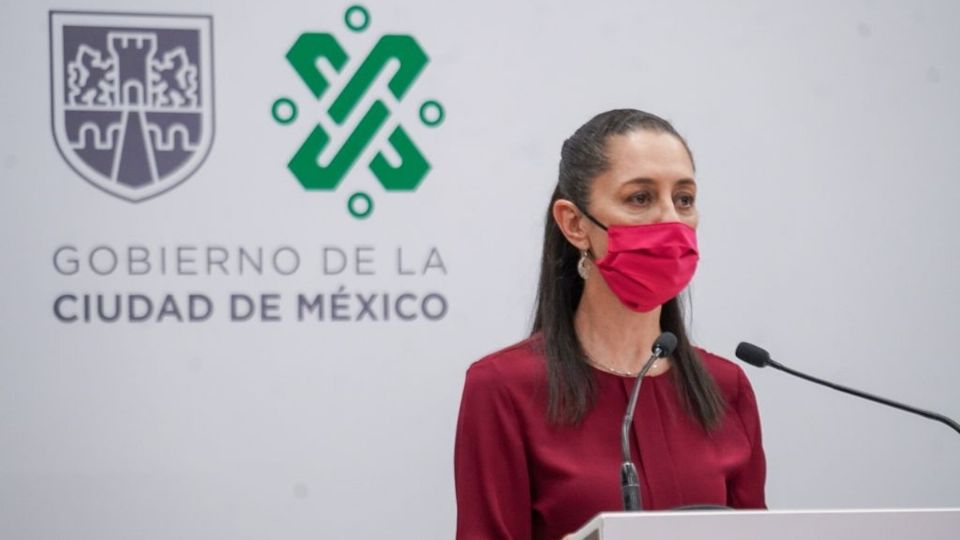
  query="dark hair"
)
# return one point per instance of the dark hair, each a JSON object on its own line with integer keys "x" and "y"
{"x": 571, "y": 387}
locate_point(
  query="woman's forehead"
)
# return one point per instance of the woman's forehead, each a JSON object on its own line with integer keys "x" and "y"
{"x": 647, "y": 156}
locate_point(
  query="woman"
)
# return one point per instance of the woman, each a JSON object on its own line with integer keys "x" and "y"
{"x": 537, "y": 452}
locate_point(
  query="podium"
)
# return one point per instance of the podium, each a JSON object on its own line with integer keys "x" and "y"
{"x": 894, "y": 524}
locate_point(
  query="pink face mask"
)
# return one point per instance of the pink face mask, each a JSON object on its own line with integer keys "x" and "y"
{"x": 647, "y": 265}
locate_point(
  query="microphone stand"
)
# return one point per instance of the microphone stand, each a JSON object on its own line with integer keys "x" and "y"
{"x": 629, "y": 479}
{"x": 759, "y": 357}
{"x": 888, "y": 402}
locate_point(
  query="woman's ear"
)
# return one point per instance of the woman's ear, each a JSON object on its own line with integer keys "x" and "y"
{"x": 571, "y": 222}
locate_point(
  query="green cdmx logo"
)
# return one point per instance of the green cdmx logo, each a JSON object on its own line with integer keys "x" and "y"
{"x": 305, "y": 164}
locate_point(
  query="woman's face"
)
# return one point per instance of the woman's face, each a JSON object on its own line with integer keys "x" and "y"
{"x": 650, "y": 180}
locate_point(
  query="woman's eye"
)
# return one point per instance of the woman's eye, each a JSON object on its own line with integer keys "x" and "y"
{"x": 642, "y": 198}
{"x": 684, "y": 200}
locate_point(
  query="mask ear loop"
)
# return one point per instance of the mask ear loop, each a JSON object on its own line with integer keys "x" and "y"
{"x": 591, "y": 218}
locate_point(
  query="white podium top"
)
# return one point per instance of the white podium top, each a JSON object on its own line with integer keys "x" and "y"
{"x": 893, "y": 524}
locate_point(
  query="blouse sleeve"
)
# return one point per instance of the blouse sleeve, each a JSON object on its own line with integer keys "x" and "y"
{"x": 746, "y": 488}
{"x": 490, "y": 465}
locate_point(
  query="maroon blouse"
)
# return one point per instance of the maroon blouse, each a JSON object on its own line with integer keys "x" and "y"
{"x": 520, "y": 477}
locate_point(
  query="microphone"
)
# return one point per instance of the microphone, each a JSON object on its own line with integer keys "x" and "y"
{"x": 629, "y": 480}
{"x": 756, "y": 356}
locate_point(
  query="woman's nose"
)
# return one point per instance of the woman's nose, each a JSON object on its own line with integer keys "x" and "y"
{"x": 666, "y": 212}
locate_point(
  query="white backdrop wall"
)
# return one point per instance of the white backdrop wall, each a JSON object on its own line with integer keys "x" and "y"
{"x": 825, "y": 137}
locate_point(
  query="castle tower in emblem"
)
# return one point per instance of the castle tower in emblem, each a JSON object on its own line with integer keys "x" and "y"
{"x": 132, "y": 53}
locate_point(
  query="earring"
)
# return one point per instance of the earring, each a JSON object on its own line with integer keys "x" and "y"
{"x": 582, "y": 267}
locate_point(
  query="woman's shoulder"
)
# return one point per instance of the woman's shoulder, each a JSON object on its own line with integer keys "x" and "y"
{"x": 521, "y": 363}
{"x": 728, "y": 375}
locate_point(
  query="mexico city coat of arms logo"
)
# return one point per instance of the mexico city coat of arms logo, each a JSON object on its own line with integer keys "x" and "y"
{"x": 132, "y": 98}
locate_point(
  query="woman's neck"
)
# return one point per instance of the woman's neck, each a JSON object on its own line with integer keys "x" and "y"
{"x": 612, "y": 335}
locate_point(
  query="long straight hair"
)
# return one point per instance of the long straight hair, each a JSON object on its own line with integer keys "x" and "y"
{"x": 570, "y": 380}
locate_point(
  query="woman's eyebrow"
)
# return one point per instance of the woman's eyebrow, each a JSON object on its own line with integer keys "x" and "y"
{"x": 648, "y": 181}
{"x": 643, "y": 181}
